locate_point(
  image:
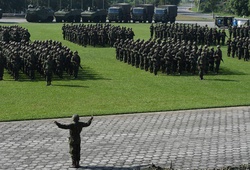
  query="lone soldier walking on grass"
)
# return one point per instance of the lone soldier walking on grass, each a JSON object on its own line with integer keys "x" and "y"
{"x": 75, "y": 129}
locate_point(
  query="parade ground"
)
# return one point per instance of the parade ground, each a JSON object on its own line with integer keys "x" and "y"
{"x": 192, "y": 139}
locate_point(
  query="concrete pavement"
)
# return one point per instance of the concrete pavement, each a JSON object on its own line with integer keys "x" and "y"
{"x": 193, "y": 139}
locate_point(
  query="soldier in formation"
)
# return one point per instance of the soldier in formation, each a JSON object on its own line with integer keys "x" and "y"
{"x": 43, "y": 57}
{"x": 169, "y": 56}
{"x": 239, "y": 47}
{"x": 240, "y": 32}
{"x": 14, "y": 33}
{"x": 95, "y": 34}
{"x": 202, "y": 35}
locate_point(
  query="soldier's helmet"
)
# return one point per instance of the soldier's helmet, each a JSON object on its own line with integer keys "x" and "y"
{"x": 75, "y": 118}
{"x": 76, "y": 52}
{"x": 218, "y": 46}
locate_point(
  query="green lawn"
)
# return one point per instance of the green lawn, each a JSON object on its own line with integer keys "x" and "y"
{"x": 108, "y": 86}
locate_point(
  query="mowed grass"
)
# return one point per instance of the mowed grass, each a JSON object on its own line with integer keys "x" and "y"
{"x": 107, "y": 86}
{"x": 190, "y": 18}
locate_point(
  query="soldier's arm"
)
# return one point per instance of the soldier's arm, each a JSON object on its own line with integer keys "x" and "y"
{"x": 62, "y": 126}
{"x": 88, "y": 123}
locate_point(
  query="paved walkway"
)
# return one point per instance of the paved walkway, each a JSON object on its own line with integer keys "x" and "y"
{"x": 195, "y": 139}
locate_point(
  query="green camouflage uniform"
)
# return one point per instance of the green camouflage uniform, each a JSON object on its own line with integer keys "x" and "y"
{"x": 75, "y": 129}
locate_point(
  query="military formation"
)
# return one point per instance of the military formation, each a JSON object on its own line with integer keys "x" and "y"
{"x": 238, "y": 43}
{"x": 44, "y": 57}
{"x": 169, "y": 56}
{"x": 95, "y": 34}
{"x": 14, "y": 33}
{"x": 172, "y": 49}
{"x": 202, "y": 35}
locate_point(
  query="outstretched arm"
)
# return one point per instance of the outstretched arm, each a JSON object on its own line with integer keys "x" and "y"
{"x": 88, "y": 123}
{"x": 62, "y": 126}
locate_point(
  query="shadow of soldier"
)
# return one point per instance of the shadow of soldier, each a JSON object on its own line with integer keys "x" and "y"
{"x": 144, "y": 167}
{"x": 84, "y": 74}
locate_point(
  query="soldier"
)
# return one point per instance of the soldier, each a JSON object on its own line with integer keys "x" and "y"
{"x": 152, "y": 29}
{"x": 229, "y": 49}
{"x": 245, "y": 49}
{"x": 168, "y": 61}
{"x": 218, "y": 59}
{"x": 239, "y": 48}
{"x": 2, "y": 65}
{"x": 230, "y": 30}
{"x": 75, "y": 129}
{"x": 218, "y": 36}
{"x": 179, "y": 60}
{"x": 233, "y": 47}
{"x": 201, "y": 62}
{"x": 211, "y": 60}
{"x": 76, "y": 61}
{"x": 192, "y": 59}
{"x": 31, "y": 65}
{"x": 48, "y": 69}
{"x": 223, "y": 36}
{"x": 15, "y": 61}
{"x": 64, "y": 31}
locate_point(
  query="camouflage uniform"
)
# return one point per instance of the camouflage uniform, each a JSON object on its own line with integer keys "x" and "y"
{"x": 201, "y": 64}
{"x": 48, "y": 69}
{"x": 75, "y": 129}
{"x": 76, "y": 61}
{"x": 218, "y": 59}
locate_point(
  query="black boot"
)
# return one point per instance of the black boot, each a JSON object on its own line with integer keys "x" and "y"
{"x": 77, "y": 164}
{"x": 73, "y": 164}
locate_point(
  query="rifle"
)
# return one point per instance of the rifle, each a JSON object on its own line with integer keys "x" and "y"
{"x": 80, "y": 66}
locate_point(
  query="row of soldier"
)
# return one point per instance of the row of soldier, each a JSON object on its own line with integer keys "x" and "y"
{"x": 241, "y": 31}
{"x": 95, "y": 34}
{"x": 238, "y": 47}
{"x": 169, "y": 56}
{"x": 14, "y": 33}
{"x": 189, "y": 32}
{"x": 44, "y": 57}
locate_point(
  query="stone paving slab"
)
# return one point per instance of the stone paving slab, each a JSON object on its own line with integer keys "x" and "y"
{"x": 193, "y": 139}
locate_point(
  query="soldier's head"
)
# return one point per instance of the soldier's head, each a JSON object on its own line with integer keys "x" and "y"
{"x": 75, "y": 118}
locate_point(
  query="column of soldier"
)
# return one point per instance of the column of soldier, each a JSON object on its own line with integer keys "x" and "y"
{"x": 43, "y": 57}
{"x": 172, "y": 53}
{"x": 95, "y": 34}
{"x": 238, "y": 43}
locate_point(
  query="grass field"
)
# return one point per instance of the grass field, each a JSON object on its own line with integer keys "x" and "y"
{"x": 107, "y": 86}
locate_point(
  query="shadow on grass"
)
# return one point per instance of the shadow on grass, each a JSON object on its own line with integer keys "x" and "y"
{"x": 70, "y": 85}
{"x": 225, "y": 80}
{"x": 222, "y": 71}
{"x": 227, "y": 71}
{"x": 83, "y": 75}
